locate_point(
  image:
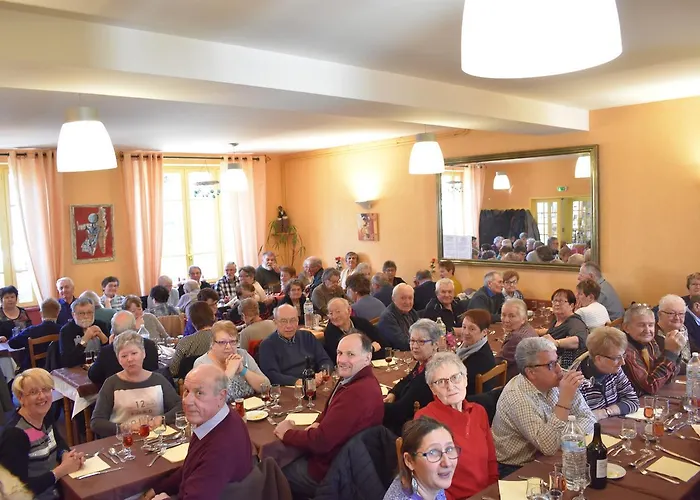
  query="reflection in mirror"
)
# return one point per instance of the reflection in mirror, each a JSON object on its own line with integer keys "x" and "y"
{"x": 534, "y": 208}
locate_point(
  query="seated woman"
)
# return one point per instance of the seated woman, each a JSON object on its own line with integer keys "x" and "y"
{"x": 341, "y": 324}
{"x": 427, "y": 463}
{"x": 477, "y": 469}
{"x": 287, "y": 274}
{"x": 568, "y": 331}
{"x": 118, "y": 395}
{"x": 211, "y": 297}
{"x": 160, "y": 297}
{"x": 510, "y": 285}
{"x": 12, "y": 317}
{"x": 351, "y": 261}
{"x": 294, "y": 296}
{"x": 446, "y": 268}
{"x": 244, "y": 375}
{"x": 156, "y": 331}
{"x": 612, "y": 393}
{"x": 31, "y": 447}
{"x": 517, "y": 328}
{"x": 399, "y": 403}
{"x": 592, "y": 312}
{"x": 475, "y": 351}
{"x": 246, "y": 275}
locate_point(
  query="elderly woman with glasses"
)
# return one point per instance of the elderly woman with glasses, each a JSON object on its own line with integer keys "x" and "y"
{"x": 244, "y": 376}
{"x": 567, "y": 331}
{"x": 447, "y": 378}
{"x": 399, "y": 403}
{"x": 510, "y": 285}
{"x": 609, "y": 392}
{"x": 475, "y": 351}
{"x": 31, "y": 447}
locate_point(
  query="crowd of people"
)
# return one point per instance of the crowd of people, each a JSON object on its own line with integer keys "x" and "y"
{"x": 529, "y": 249}
{"x": 246, "y": 333}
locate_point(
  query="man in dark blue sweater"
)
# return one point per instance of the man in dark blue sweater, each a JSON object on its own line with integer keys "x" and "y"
{"x": 50, "y": 310}
{"x": 283, "y": 354}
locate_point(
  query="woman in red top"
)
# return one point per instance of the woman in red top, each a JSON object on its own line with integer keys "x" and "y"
{"x": 477, "y": 468}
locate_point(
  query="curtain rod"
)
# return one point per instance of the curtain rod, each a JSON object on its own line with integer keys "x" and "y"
{"x": 254, "y": 158}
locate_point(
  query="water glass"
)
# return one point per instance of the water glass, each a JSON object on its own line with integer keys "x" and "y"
{"x": 582, "y": 483}
{"x": 628, "y": 433}
{"x": 159, "y": 427}
{"x": 535, "y": 489}
{"x": 181, "y": 424}
{"x": 326, "y": 373}
{"x": 557, "y": 484}
{"x": 265, "y": 393}
{"x": 310, "y": 391}
{"x": 275, "y": 394}
{"x": 299, "y": 395}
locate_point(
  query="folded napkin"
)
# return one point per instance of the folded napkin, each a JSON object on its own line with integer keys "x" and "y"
{"x": 253, "y": 403}
{"x": 608, "y": 441}
{"x": 676, "y": 468}
{"x": 696, "y": 428}
{"x": 637, "y": 415}
{"x": 168, "y": 430}
{"x": 381, "y": 363}
{"x": 396, "y": 381}
{"x": 177, "y": 453}
{"x": 512, "y": 490}
{"x": 94, "y": 464}
{"x": 302, "y": 418}
{"x": 385, "y": 389}
{"x": 681, "y": 382}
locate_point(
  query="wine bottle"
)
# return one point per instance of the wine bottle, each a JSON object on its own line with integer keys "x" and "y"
{"x": 307, "y": 375}
{"x": 597, "y": 454}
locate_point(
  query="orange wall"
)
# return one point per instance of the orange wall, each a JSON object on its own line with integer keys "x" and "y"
{"x": 649, "y": 185}
{"x": 536, "y": 179}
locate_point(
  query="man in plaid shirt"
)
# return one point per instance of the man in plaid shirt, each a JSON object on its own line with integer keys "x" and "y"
{"x": 226, "y": 285}
{"x": 648, "y": 365}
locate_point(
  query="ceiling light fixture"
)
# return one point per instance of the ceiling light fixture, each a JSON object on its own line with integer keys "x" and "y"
{"x": 83, "y": 143}
{"x": 233, "y": 177}
{"x": 516, "y": 39}
{"x": 501, "y": 181}
{"x": 426, "y": 156}
{"x": 583, "y": 167}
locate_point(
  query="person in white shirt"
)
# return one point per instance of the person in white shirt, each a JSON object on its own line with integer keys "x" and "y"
{"x": 592, "y": 312}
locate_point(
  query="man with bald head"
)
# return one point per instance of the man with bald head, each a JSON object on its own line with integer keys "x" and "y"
{"x": 444, "y": 305}
{"x": 398, "y": 317}
{"x": 354, "y": 405}
{"x": 490, "y": 296}
{"x": 341, "y": 324}
{"x": 220, "y": 449}
{"x": 283, "y": 354}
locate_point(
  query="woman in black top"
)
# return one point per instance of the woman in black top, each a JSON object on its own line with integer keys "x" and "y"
{"x": 294, "y": 296}
{"x": 31, "y": 432}
{"x": 567, "y": 331}
{"x": 475, "y": 351}
{"x": 11, "y": 315}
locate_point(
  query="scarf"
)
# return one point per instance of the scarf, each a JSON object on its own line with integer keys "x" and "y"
{"x": 465, "y": 352}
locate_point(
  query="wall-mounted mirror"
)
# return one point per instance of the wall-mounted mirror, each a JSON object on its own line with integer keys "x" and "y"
{"x": 527, "y": 208}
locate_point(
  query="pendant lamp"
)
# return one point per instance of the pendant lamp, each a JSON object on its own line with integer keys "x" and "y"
{"x": 426, "y": 156}
{"x": 583, "y": 167}
{"x": 501, "y": 181}
{"x": 233, "y": 177}
{"x": 83, "y": 143}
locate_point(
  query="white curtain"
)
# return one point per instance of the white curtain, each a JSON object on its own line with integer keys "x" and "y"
{"x": 473, "y": 180}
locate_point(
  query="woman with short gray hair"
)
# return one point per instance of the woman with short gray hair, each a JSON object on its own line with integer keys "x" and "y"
{"x": 446, "y": 376}
{"x": 517, "y": 328}
{"x": 133, "y": 392}
{"x": 399, "y": 403}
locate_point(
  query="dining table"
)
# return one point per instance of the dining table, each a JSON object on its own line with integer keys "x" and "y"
{"x": 79, "y": 393}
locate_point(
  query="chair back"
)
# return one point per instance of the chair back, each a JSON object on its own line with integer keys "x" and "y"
{"x": 399, "y": 444}
{"x": 617, "y": 323}
{"x": 374, "y": 321}
{"x": 33, "y": 357}
{"x": 500, "y": 371}
{"x": 53, "y": 357}
{"x": 253, "y": 348}
{"x": 173, "y": 324}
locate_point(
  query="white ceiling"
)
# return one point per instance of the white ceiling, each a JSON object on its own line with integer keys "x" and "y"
{"x": 332, "y": 72}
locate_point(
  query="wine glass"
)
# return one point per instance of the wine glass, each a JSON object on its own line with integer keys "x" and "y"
{"x": 388, "y": 357}
{"x": 127, "y": 440}
{"x": 628, "y": 433}
{"x": 144, "y": 426}
{"x": 556, "y": 485}
{"x": 582, "y": 483}
{"x": 310, "y": 391}
{"x": 335, "y": 376}
{"x": 265, "y": 393}
{"x": 158, "y": 426}
{"x": 535, "y": 489}
{"x": 275, "y": 394}
{"x": 326, "y": 372}
{"x": 299, "y": 395}
{"x": 181, "y": 424}
{"x": 689, "y": 405}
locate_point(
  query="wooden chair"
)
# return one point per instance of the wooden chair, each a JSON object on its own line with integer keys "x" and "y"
{"x": 173, "y": 324}
{"x": 374, "y": 321}
{"x": 399, "y": 444}
{"x": 617, "y": 323}
{"x": 500, "y": 370}
{"x": 47, "y": 339}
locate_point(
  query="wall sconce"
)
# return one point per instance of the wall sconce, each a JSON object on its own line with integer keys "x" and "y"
{"x": 501, "y": 181}
{"x": 366, "y": 204}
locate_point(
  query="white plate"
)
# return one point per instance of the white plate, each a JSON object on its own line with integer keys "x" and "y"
{"x": 255, "y": 415}
{"x": 615, "y": 471}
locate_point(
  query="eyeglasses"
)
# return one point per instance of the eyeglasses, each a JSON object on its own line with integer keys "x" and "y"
{"x": 455, "y": 379}
{"x": 559, "y": 301}
{"x": 224, "y": 343}
{"x": 35, "y": 392}
{"x": 85, "y": 314}
{"x": 420, "y": 343}
{"x": 550, "y": 366}
{"x": 674, "y": 314}
{"x": 435, "y": 455}
{"x": 511, "y": 282}
{"x": 292, "y": 321}
{"x": 616, "y": 359}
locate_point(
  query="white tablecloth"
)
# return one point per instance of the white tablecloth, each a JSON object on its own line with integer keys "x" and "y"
{"x": 70, "y": 392}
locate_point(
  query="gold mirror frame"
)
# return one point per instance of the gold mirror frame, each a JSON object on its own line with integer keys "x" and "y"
{"x": 592, "y": 150}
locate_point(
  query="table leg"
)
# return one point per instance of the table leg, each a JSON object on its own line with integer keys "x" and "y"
{"x": 67, "y": 412}
{"x": 88, "y": 431}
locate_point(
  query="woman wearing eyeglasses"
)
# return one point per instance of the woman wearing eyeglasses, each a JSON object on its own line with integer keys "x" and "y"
{"x": 427, "y": 463}
{"x": 244, "y": 375}
{"x": 568, "y": 331}
{"x": 610, "y": 393}
{"x": 447, "y": 378}
{"x": 510, "y": 285}
{"x": 399, "y": 403}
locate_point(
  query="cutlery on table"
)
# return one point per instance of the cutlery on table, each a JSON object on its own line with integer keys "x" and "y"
{"x": 660, "y": 448}
{"x": 660, "y": 476}
{"x": 91, "y": 455}
{"x": 642, "y": 461}
{"x": 687, "y": 437}
{"x": 99, "y": 472}
{"x": 159, "y": 454}
{"x": 114, "y": 460}
{"x": 114, "y": 453}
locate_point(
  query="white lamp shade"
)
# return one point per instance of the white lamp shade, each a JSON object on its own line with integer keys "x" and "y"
{"x": 84, "y": 144}
{"x": 233, "y": 178}
{"x": 583, "y": 167}
{"x": 501, "y": 181}
{"x": 518, "y": 39}
{"x": 426, "y": 156}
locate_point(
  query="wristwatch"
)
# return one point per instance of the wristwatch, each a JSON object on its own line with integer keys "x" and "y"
{"x": 607, "y": 412}
{"x": 83, "y": 342}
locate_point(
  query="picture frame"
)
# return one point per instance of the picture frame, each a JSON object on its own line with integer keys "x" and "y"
{"x": 368, "y": 227}
{"x": 92, "y": 233}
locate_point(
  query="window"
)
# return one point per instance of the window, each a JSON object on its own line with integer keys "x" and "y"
{"x": 15, "y": 266}
{"x": 569, "y": 219}
{"x": 547, "y": 218}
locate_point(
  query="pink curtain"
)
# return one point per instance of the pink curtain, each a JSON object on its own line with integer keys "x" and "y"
{"x": 474, "y": 181}
{"x": 143, "y": 190}
{"x": 40, "y": 189}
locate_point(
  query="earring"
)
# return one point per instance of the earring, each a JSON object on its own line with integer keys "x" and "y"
{"x": 414, "y": 484}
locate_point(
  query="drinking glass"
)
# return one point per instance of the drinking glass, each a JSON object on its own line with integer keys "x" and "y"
{"x": 158, "y": 426}
{"x": 690, "y": 406}
{"x": 661, "y": 408}
{"x": 144, "y": 426}
{"x": 265, "y": 393}
{"x": 534, "y": 488}
{"x": 582, "y": 483}
{"x": 310, "y": 392}
{"x": 326, "y": 372}
{"x": 557, "y": 484}
{"x": 628, "y": 433}
{"x": 388, "y": 357}
{"x": 124, "y": 433}
{"x": 275, "y": 394}
{"x": 240, "y": 407}
{"x": 181, "y": 424}
{"x": 299, "y": 395}
{"x": 335, "y": 377}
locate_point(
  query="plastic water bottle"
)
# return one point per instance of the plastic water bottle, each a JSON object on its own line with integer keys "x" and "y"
{"x": 143, "y": 332}
{"x": 442, "y": 341}
{"x": 308, "y": 314}
{"x": 573, "y": 448}
{"x": 692, "y": 385}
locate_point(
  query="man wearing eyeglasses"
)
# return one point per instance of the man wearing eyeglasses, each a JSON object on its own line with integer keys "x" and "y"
{"x": 533, "y": 409}
{"x": 672, "y": 311}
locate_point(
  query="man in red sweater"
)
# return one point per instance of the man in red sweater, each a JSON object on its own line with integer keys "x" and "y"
{"x": 220, "y": 450}
{"x": 355, "y": 405}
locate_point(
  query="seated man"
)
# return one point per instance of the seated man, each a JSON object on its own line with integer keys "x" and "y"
{"x": 354, "y": 405}
{"x": 490, "y": 296}
{"x": 256, "y": 328}
{"x": 268, "y": 272}
{"x": 389, "y": 268}
{"x": 534, "y": 407}
{"x": 313, "y": 271}
{"x": 195, "y": 274}
{"x": 193, "y": 346}
{"x": 364, "y": 305}
{"x": 190, "y": 290}
{"x": 107, "y": 364}
{"x": 101, "y": 313}
{"x": 50, "y": 309}
{"x": 226, "y": 285}
{"x": 381, "y": 288}
{"x": 173, "y": 294}
{"x": 328, "y": 289}
{"x": 592, "y": 312}
{"x": 424, "y": 290}
{"x": 647, "y": 365}
{"x": 340, "y": 324}
{"x": 212, "y": 462}
{"x": 672, "y": 312}
{"x": 110, "y": 298}
{"x": 608, "y": 296}
{"x": 66, "y": 296}
{"x": 283, "y": 354}
{"x": 82, "y": 334}
{"x": 396, "y": 319}
{"x": 444, "y": 305}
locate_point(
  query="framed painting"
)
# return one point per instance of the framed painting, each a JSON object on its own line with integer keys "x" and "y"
{"x": 92, "y": 233}
{"x": 367, "y": 227}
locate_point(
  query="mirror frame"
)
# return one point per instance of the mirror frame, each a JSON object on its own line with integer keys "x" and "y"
{"x": 591, "y": 149}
